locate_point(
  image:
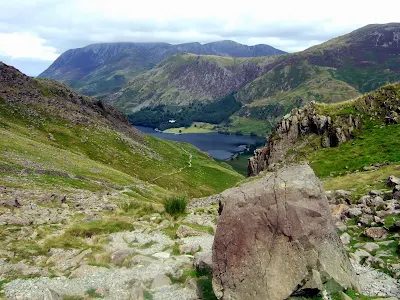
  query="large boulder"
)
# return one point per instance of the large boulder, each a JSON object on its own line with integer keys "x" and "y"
{"x": 275, "y": 238}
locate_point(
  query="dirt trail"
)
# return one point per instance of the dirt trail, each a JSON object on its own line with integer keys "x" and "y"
{"x": 179, "y": 170}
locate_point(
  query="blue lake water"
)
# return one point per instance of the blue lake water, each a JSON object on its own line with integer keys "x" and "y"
{"x": 218, "y": 145}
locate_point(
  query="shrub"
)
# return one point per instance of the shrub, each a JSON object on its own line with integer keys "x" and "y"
{"x": 175, "y": 206}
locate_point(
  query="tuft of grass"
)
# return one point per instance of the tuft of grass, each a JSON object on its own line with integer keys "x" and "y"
{"x": 89, "y": 229}
{"x": 147, "y": 295}
{"x": 92, "y": 293}
{"x": 136, "y": 208}
{"x": 357, "y": 296}
{"x": 64, "y": 241}
{"x": 175, "y": 206}
{"x": 72, "y": 298}
{"x": 204, "y": 284}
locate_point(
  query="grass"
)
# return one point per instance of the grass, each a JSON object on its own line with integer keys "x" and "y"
{"x": 74, "y": 236}
{"x": 92, "y": 293}
{"x": 147, "y": 295}
{"x": 240, "y": 163}
{"x": 72, "y": 298}
{"x": 362, "y": 182}
{"x": 103, "y": 156}
{"x": 175, "y": 206}
{"x": 357, "y": 296}
{"x": 196, "y": 127}
{"x": 376, "y": 144}
{"x": 204, "y": 284}
{"x": 136, "y": 208}
{"x": 246, "y": 126}
{"x": 171, "y": 232}
{"x": 91, "y": 228}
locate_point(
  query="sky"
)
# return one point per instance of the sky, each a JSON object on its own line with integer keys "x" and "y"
{"x": 33, "y": 33}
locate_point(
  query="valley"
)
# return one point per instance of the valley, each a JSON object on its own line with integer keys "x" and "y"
{"x": 95, "y": 203}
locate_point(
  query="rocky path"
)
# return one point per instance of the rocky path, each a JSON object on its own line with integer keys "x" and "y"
{"x": 159, "y": 257}
{"x": 145, "y": 262}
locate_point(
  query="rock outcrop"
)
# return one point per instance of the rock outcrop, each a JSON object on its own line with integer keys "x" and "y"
{"x": 317, "y": 125}
{"x": 275, "y": 238}
{"x": 299, "y": 123}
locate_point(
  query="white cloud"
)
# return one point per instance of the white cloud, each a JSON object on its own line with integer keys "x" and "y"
{"x": 19, "y": 45}
{"x": 40, "y": 29}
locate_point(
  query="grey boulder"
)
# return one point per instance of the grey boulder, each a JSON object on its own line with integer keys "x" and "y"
{"x": 275, "y": 238}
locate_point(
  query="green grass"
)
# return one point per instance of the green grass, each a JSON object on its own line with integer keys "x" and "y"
{"x": 91, "y": 228}
{"x": 240, "y": 163}
{"x": 92, "y": 293}
{"x": 357, "y": 296}
{"x": 376, "y": 144}
{"x": 196, "y": 127}
{"x": 104, "y": 156}
{"x": 362, "y": 182}
{"x": 246, "y": 126}
{"x": 204, "y": 284}
{"x": 147, "y": 295}
{"x": 136, "y": 208}
{"x": 175, "y": 206}
{"x": 72, "y": 298}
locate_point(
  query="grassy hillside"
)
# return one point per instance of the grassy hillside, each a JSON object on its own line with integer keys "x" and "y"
{"x": 96, "y": 154}
{"x": 376, "y": 142}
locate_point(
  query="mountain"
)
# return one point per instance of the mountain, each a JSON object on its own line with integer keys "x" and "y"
{"x": 53, "y": 132}
{"x": 103, "y": 68}
{"x": 268, "y": 88}
{"x": 186, "y": 78}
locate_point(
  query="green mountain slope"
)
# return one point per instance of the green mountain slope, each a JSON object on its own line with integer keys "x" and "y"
{"x": 339, "y": 69}
{"x": 184, "y": 79}
{"x": 340, "y": 139}
{"x": 53, "y": 138}
{"x": 104, "y": 68}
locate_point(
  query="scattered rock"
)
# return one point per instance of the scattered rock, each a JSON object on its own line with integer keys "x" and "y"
{"x": 184, "y": 231}
{"x": 86, "y": 270}
{"x": 366, "y": 220}
{"x": 163, "y": 255}
{"x": 119, "y": 256}
{"x": 345, "y": 238}
{"x": 376, "y": 232}
{"x": 370, "y": 247}
{"x": 275, "y": 236}
{"x": 392, "y": 181}
{"x": 203, "y": 261}
{"x": 49, "y": 294}
{"x": 359, "y": 254}
{"x": 375, "y": 193}
{"x": 354, "y": 212}
{"x": 159, "y": 281}
{"x": 51, "y": 138}
{"x": 137, "y": 292}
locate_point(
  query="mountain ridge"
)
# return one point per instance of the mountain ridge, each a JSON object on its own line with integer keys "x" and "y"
{"x": 103, "y": 67}
{"x": 337, "y": 70}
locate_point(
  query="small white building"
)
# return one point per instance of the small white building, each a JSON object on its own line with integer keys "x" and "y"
{"x": 172, "y": 121}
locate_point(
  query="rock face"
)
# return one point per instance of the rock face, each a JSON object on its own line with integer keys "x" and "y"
{"x": 275, "y": 238}
{"x": 300, "y": 123}
{"x": 318, "y": 126}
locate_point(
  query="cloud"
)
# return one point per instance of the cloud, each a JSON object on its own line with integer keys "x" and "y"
{"x": 19, "y": 45}
{"x": 39, "y": 30}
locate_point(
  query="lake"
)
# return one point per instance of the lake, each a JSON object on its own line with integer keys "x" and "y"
{"x": 218, "y": 145}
